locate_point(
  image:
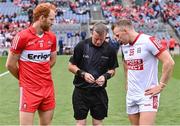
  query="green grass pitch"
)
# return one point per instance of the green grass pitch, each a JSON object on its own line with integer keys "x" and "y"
{"x": 169, "y": 111}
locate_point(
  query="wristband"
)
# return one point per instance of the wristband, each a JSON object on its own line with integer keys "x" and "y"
{"x": 107, "y": 76}
{"x": 80, "y": 73}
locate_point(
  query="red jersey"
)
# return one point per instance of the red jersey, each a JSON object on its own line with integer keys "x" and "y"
{"x": 164, "y": 43}
{"x": 172, "y": 43}
{"x": 34, "y": 67}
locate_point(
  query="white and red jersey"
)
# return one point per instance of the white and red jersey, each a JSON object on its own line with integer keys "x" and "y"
{"x": 142, "y": 63}
{"x": 35, "y": 51}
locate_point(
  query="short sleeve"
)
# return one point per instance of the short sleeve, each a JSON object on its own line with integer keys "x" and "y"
{"x": 113, "y": 59}
{"x": 154, "y": 46}
{"x": 18, "y": 44}
{"x": 54, "y": 45}
{"x": 77, "y": 55}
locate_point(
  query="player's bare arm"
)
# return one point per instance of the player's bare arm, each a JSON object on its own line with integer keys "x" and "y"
{"x": 167, "y": 68}
{"x": 12, "y": 64}
{"x": 112, "y": 72}
{"x": 53, "y": 58}
{"x": 125, "y": 73}
{"x": 72, "y": 68}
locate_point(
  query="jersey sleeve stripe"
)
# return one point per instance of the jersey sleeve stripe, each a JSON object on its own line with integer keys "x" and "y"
{"x": 15, "y": 42}
{"x": 160, "y": 52}
{"x": 156, "y": 43}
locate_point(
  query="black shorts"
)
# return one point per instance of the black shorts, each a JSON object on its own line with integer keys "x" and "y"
{"x": 95, "y": 100}
{"x": 171, "y": 49}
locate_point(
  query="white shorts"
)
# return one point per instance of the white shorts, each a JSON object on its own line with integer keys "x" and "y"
{"x": 137, "y": 104}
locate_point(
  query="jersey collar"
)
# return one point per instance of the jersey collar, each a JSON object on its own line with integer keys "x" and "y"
{"x": 135, "y": 39}
{"x": 33, "y": 31}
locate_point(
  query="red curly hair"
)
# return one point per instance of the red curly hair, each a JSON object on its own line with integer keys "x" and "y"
{"x": 42, "y": 9}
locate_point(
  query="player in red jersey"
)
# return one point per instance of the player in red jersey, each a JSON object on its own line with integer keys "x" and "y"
{"x": 31, "y": 56}
{"x": 172, "y": 43}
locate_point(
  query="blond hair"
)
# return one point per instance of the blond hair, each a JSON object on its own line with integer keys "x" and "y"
{"x": 123, "y": 23}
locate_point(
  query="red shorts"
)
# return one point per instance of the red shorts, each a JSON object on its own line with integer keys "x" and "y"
{"x": 42, "y": 99}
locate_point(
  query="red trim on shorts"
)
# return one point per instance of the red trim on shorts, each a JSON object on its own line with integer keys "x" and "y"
{"x": 155, "y": 102}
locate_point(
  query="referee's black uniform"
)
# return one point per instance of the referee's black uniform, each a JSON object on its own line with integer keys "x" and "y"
{"x": 96, "y": 61}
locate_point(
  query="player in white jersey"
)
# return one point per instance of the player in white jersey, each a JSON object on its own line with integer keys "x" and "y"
{"x": 141, "y": 53}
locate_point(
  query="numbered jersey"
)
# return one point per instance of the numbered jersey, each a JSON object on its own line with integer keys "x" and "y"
{"x": 35, "y": 51}
{"x": 142, "y": 63}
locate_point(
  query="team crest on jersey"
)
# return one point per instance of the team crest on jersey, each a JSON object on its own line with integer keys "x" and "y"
{"x": 125, "y": 52}
{"x": 49, "y": 43}
{"x": 131, "y": 52}
{"x": 139, "y": 50}
{"x": 41, "y": 43}
{"x": 24, "y": 106}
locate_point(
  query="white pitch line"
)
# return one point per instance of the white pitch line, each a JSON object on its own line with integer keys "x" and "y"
{"x": 4, "y": 73}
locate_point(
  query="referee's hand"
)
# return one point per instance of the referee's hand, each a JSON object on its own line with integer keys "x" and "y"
{"x": 101, "y": 80}
{"x": 89, "y": 78}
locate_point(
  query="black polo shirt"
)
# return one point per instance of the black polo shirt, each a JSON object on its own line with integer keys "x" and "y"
{"x": 94, "y": 60}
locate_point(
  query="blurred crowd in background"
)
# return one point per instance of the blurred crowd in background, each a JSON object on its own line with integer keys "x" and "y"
{"x": 75, "y": 18}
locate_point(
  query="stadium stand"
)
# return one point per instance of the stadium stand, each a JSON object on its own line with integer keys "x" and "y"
{"x": 75, "y": 18}
{"x": 171, "y": 14}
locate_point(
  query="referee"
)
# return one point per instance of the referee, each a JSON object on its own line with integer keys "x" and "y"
{"x": 94, "y": 62}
